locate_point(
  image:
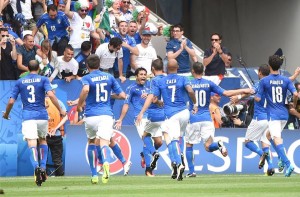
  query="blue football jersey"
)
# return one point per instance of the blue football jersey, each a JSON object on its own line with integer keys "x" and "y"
{"x": 133, "y": 96}
{"x": 55, "y": 27}
{"x": 275, "y": 88}
{"x": 203, "y": 88}
{"x": 33, "y": 89}
{"x": 101, "y": 85}
{"x": 174, "y": 94}
{"x": 156, "y": 113}
{"x": 260, "y": 111}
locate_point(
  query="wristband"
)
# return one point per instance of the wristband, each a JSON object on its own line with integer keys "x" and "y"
{"x": 239, "y": 96}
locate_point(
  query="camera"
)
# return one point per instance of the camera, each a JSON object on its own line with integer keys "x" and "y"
{"x": 234, "y": 110}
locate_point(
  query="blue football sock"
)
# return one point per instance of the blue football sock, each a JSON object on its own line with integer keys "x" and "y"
{"x": 269, "y": 160}
{"x": 281, "y": 152}
{"x": 176, "y": 151}
{"x": 43, "y": 155}
{"x": 213, "y": 147}
{"x": 147, "y": 156}
{"x": 34, "y": 157}
{"x": 105, "y": 151}
{"x": 190, "y": 159}
{"x": 92, "y": 156}
{"x": 149, "y": 144}
{"x": 254, "y": 148}
{"x": 181, "y": 144}
{"x": 275, "y": 147}
{"x": 99, "y": 155}
{"x": 170, "y": 149}
{"x": 117, "y": 151}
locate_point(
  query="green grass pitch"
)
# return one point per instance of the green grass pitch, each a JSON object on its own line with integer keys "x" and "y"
{"x": 202, "y": 185}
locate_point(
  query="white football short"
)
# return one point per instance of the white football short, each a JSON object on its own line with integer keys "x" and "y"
{"x": 176, "y": 125}
{"x": 199, "y": 130}
{"x": 34, "y": 129}
{"x": 154, "y": 128}
{"x": 99, "y": 126}
{"x": 257, "y": 131}
{"x": 276, "y": 127}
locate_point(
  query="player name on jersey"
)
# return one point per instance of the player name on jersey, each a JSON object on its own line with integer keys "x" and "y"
{"x": 276, "y": 82}
{"x": 205, "y": 85}
{"x": 31, "y": 80}
{"x": 171, "y": 81}
{"x": 100, "y": 78}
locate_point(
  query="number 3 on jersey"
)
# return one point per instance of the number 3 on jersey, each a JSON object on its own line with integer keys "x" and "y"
{"x": 31, "y": 93}
{"x": 100, "y": 90}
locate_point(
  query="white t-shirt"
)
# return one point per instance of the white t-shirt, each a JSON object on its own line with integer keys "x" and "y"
{"x": 26, "y": 8}
{"x": 71, "y": 66}
{"x": 107, "y": 58}
{"x": 81, "y": 30}
{"x": 145, "y": 57}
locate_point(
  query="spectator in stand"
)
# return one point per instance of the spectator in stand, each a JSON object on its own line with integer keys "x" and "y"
{"x": 294, "y": 112}
{"x": 67, "y": 65}
{"x": 86, "y": 48}
{"x": 23, "y": 13}
{"x": 8, "y": 54}
{"x": 214, "y": 109}
{"x": 48, "y": 60}
{"x": 81, "y": 24}
{"x": 18, "y": 40}
{"x": 229, "y": 61}
{"x": 61, "y": 6}
{"x": 128, "y": 47}
{"x": 132, "y": 31}
{"x": 26, "y": 52}
{"x": 39, "y": 8}
{"x": 124, "y": 7}
{"x": 108, "y": 52}
{"x": 215, "y": 57}
{"x": 146, "y": 54}
{"x": 57, "y": 24}
{"x": 181, "y": 49}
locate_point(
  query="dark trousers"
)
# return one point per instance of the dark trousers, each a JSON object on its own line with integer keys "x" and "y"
{"x": 59, "y": 46}
{"x": 55, "y": 145}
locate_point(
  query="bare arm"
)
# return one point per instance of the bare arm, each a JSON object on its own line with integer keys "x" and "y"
{"x": 120, "y": 96}
{"x": 20, "y": 64}
{"x": 9, "y": 106}
{"x": 295, "y": 75}
{"x": 124, "y": 111}
{"x": 14, "y": 48}
{"x": 55, "y": 102}
{"x": 69, "y": 13}
{"x": 84, "y": 93}
{"x": 95, "y": 35}
{"x": 133, "y": 50}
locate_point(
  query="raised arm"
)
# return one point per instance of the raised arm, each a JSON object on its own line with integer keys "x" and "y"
{"x": 69, "y": 13}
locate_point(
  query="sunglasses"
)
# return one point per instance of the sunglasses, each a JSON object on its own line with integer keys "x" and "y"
{"x": 84, "y": 10}
{"x": 214, "y": 39}
{"x": 176, "y": 31}
{"x": 5, "y": 36}
{"x": 126, "y": 2}
{"x": 229, "y": 59}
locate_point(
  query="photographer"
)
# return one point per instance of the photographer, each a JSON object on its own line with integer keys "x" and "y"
{"x": 234, "y": 116}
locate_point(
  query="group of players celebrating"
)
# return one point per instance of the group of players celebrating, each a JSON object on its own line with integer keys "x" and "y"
{"x": 161, "y": 110}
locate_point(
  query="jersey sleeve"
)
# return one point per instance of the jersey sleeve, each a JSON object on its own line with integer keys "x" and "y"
{"x": 216, "y": 89}
{"x": 129, "y": 94}
{"x": 169, "y": 47}
{"x": 16, "y": 90}
{"x": 186, "y": 82}
{"x": 189, "y": 44}
{"x": 116, "y": 88}
{"x": 260, "y": 91}
{"x": 85, "y": 81}
{"x": 47, "y": 84}
{"x": 41, "y": 21}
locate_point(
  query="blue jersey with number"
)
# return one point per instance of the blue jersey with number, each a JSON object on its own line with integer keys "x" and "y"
{"x": 55, "y": 27}
{"x": 32, "y": 89}
{"x": 134, "y": 96}
{"x": 101, "y": 85}
{"x": 260, "y": 111}
{"x": 275, "y": 87}
{"x": 156, "y": 113}
{"x": 174, "y": 94}
{"x": 203, "y": 88}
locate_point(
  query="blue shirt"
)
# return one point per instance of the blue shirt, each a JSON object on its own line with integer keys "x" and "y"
{"x": 260, "y": 112}
{"x": 55, "y": 27}
{"x": 202, "y": 89}
{"x": 156, "y": 113}
{"x": 183, "y": 58}
{"x": 126, "y": 52}
{"x": 172, "y": 89}
{"x": 101, "y": 85}
{"x": 82, "y": 69}
{"x": 274, "y": 88}
{"x": 134, "y": 96}
{"x": 32, "y": 89}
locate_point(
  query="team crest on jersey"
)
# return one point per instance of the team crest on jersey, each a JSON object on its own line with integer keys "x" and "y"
{"x": 58, "y": 21}
{"x": 115, "y": 165}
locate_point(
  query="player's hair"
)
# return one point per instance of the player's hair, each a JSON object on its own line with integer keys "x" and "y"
{"x": 93, "y": 61}
{"x": 264, "y": 69}
{"x": 198, "y": 68}
{"x": 137, "y": 71}
{"x": 115, "y": 42}
{"x": 51, "y": 7}
{"x": 217, "y": 34}
{"x": 69, "y": 47}
{"x": 33, "y": 65}
{"x": 157, "y": 64}
{"x": 47, "y": 45}
{"x": 86, "y": 45}
{"x": 178, "y": 26}
{"x": 122, "y": 22}
{"x": 133, "y": 21}
{"x": 275, "y": 62}
{"x": 3, "y": 29}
